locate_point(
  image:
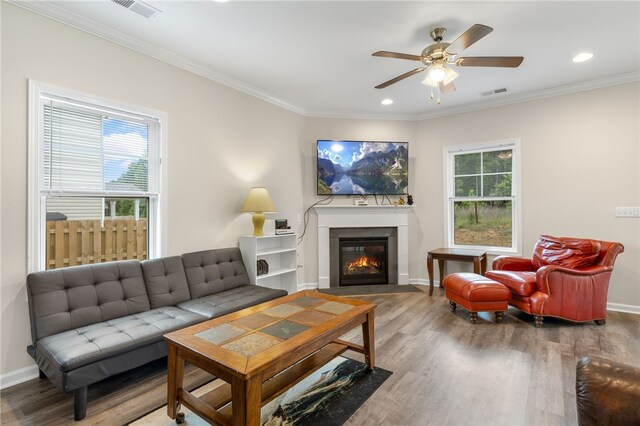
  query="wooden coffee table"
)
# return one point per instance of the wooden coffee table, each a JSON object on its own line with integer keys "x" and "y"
{"x": 297, "y": 333}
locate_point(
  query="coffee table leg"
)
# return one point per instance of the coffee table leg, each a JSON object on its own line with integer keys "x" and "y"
{"x": 246, "y": 399}
{"x": 175, "y": 375}
{"x": 368, "y": 338}
{"x": 430, "y": 271}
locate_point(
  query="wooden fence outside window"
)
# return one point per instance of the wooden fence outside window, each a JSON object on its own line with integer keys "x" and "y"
{"x": 78, "y": 242}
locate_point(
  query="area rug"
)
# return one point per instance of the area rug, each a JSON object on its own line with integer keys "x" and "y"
{"x": 328, "y": 397}
{"x": 365, "y": 290}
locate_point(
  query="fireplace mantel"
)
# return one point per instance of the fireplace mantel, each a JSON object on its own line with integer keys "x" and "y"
{"x": 362, "y": 217}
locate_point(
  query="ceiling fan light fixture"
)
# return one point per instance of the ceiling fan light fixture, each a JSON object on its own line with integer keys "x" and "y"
{"x": 436, "y": 73}
{"x": 386, "y": 101}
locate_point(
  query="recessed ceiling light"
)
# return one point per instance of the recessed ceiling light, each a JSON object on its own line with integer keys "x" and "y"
{"x": 581, "y": 57}
{"x": 221, "y": 1}
{"x": 386, "y": 101}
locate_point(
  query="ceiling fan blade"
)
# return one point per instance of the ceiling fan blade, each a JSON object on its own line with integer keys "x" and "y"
{"x": 385, "y": 54}
{"x": 400, "y": 77}
{"x": 447, "y": 88}
{"x": 490, "y": 61}
{"x": 473, "y": 34}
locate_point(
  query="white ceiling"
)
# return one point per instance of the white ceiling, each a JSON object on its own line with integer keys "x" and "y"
{"x": 314, "y": 57}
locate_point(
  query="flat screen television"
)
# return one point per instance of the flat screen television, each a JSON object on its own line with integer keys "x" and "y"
{"x": 362, "y": 168}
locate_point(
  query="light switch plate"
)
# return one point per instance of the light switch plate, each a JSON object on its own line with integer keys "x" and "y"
{"x": 627, "y": 211}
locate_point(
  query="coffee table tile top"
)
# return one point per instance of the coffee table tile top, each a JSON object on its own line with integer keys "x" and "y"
{"x": 284, "y": 329}
{"x": 310, "y": 317}
{"x": 221, "y": 333}
{"x": 255, "y": 321}
{"x": 308, "y": 301}
{"x": 335, "y": 308}
{"x": 251, "y": 344}
{"x": 283, "y": 310}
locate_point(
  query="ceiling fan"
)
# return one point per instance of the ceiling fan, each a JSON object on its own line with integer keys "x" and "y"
{"x": 438, "y": 57}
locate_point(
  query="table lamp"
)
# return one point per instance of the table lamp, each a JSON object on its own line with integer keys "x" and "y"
{"x": 258, "y": 202}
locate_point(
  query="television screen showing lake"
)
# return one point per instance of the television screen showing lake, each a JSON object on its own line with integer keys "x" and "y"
{"x": 352, "y": 168}
{"x": 349, "y": 185}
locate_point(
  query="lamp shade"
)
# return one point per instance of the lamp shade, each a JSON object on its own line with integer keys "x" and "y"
{"x": 258, "y": 200}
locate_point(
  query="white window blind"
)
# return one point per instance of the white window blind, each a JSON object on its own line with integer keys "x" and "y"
{"x": 96, "y": 151}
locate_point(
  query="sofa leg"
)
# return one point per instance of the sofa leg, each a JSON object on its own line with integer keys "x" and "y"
{"x": 41, "y": 374}
{"x": 80, "y": 403}
{"x": 538, "y": 320}
{"x": 499, "y": 316}
{"x": 600, "y": 322}
{"x": 473, "y": 317}
{"x": 452, "y": 306}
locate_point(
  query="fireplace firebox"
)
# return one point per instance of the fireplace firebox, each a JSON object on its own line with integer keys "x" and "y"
{"x": 363, "y": 261}
{"x": 363, "y": 256}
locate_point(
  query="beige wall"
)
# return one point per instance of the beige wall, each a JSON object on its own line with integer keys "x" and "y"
{"x": 220, "y": 143}
{"x": 580, "y": 158}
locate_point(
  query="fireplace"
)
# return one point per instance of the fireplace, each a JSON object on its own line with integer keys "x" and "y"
{"x": 363, "y": 261}
{"x": 363, "y": 256}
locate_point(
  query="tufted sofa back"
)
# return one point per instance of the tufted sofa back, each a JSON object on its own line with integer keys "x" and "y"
{"x": 212, "y": 271}
{"x": 166, "y": 281}
{"x": 68, "y": 298}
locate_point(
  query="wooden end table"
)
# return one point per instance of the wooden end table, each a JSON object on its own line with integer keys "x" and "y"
{"x": 478, "y": 257}
{"x": 293, "y": 335}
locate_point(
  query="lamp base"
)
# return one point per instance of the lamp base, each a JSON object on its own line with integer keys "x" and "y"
{"x": 258, "y": 222}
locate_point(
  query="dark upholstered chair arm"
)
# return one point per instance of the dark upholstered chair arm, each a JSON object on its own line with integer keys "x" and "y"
{"x": 512, "y": 263}
{"x": 607, "y": 392}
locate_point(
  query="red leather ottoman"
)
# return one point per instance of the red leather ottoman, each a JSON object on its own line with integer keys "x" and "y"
{"x": 476, "y": 293}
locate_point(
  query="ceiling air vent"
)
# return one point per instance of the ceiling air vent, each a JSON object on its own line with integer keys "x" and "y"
{"x": 139, "y": 7}
{"x": 493, "y": 92}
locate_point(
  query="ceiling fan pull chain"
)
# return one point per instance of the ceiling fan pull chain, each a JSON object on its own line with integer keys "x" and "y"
{"x": 431, "y": 92}
{"x": 438, "y": 89}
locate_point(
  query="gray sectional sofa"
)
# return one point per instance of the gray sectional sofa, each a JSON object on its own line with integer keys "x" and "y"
{"x": 93, "y": 321}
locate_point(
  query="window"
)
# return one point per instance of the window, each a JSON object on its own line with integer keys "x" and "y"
{"x": 94, "y": 180}
{"x": 483, "y": 205}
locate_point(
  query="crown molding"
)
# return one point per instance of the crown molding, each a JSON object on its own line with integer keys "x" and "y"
{"x": 536, "y": 95}
{"x": 360, "y": 115}
{"x": 59, "y": 14}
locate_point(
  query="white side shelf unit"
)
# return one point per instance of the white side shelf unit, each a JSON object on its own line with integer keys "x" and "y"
{"x": 280, "y": 252}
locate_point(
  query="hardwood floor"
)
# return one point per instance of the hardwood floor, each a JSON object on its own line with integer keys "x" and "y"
{"x": 446, "y": 371}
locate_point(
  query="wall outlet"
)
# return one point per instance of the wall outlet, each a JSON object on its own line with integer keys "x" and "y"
{"x": 627, "y": 211}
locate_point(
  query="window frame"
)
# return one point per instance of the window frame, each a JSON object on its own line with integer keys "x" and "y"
{"x": 37, "y": 195}
{"x": 450, "y": 198}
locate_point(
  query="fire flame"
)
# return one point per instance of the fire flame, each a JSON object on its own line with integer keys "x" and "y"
{"x": 363, "y": 262}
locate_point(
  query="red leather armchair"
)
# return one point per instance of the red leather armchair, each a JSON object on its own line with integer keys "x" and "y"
{"x": 567, "y": 278}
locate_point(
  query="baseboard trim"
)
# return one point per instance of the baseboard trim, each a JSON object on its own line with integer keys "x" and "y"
{"x": 423, "y": 281}
{"x": 15, "y": 377}
{"x": 619, "y": 307}
{"x": 307, "y": 286}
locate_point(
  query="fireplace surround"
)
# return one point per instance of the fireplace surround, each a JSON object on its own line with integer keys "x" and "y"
{"x": 335, "y": 216}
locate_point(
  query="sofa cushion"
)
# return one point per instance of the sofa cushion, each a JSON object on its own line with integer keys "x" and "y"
{"x": 81, "y": 346}
{"x": 70, "y": 298}
{"x": 521, "y": 283}
{"x": 166, "y": 281}
{"x": 566, "y": 252}
{"x": 232, "y": 300}
{"x": 212, "y": 271}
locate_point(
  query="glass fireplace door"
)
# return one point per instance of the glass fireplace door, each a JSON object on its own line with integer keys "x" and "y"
{"x": 363, "y": 261}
